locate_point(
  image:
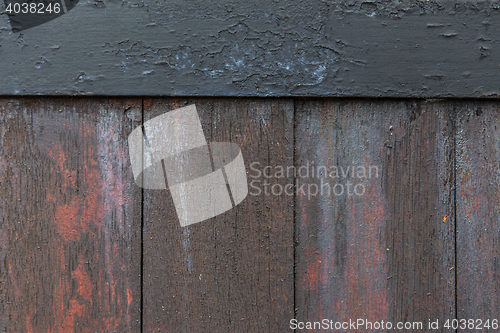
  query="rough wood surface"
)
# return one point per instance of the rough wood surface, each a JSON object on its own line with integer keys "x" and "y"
{"x": 234, "y": 272}
{"x": 478, "y": 211}
{"x": 388, "y": 254}
{"x": 70, "y": 217}
{"x": 376, "y": 48}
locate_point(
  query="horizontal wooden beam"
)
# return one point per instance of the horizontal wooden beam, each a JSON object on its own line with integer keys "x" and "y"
{"x": 258, "y": 48}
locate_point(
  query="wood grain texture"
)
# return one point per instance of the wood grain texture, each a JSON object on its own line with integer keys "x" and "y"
{"x": 387, "y": 254}
{"x": 234, "y": 272}
{"x": 70, "y": 216}
{"x": 376, "y": 48}
{"x": 478, "y": 210}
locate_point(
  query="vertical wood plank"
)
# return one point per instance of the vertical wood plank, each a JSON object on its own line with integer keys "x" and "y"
{"x": 478, "y": 211}
{"x": 70, "y": 216}
{"x": 387, "y": 254}
{"x": 234, "y": 272}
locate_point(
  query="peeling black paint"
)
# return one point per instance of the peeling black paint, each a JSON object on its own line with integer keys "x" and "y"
{"x": 259, "y": 48}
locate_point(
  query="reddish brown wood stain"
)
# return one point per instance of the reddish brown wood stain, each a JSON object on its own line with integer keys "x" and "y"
{"x": 478, "y": 197}
{"x": 340, "y": 254}
{"x": 68, "y": 214}
{"x": 363, "y": 257}
{"x": 71, "y": 236}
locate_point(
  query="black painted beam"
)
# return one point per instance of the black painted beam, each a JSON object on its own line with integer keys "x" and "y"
{"x": 258, "y": 48}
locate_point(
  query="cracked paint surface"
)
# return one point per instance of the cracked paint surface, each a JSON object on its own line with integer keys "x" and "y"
{"x": 312, "y": 48}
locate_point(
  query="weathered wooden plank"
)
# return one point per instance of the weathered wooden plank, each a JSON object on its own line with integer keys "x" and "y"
{"x": 402, "y": 48}
{"x": 387, "y": 254}
{"x": 478, "y": 206}
{"x": 70, "y": 216}
{"x": 234, "y": 272}
{"x": 69, "y": 247}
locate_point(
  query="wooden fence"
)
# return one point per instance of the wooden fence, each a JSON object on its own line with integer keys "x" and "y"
{"x": 84, "y": 249}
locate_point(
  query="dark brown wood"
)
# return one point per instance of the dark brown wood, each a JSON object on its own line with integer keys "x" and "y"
{"x": 478, "y": 207}
{"x": 70, "y": 216}
{"x": 388, "y": 254}
{"x": 234, "y": 272}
